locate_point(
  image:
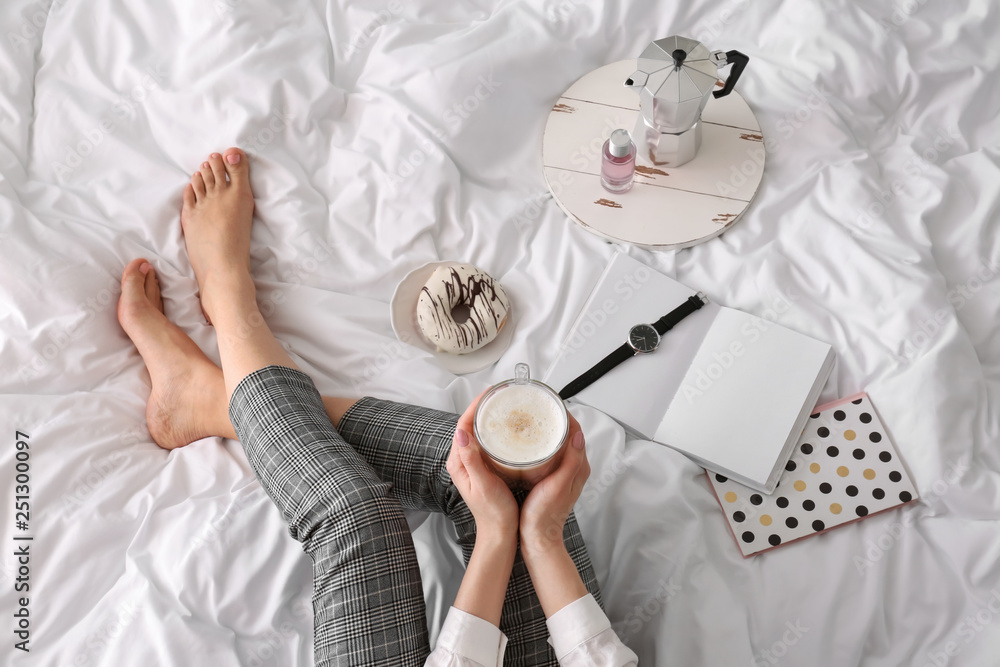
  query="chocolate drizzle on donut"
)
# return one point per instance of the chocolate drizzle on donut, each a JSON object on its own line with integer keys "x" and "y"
{"x": 487, "y": 303}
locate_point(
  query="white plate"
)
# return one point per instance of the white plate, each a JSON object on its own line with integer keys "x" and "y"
{"x": 403, "y": 314}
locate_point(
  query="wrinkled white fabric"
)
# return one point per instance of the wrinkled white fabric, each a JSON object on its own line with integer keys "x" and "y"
{"x": 388, "y": 134}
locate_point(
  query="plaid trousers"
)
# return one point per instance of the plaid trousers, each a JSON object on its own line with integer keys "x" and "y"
{"x": 342, "y": 495}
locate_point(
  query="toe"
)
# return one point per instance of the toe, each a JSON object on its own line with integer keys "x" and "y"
{"x": 198, "y": 183}
{"x": 218, "y": 169}
{"x": 151, "y": 285}
{"x": 132, "y": 271}
{"x": 208, "y": 176}
{"x": 189, "y": 198}
{"x": 133, "y": 283}
{"x": 237, "y": 166}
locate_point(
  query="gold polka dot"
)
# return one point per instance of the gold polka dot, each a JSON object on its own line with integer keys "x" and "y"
{"x": 730, "y": 497}
{"x": 835, "y": 508}
{"x": 765, "y": 520}
{"x": 849, "y": 434}
{"x": 843, "y": 471}
{"x": 814, "y": 467}
{"x": 800, "y": 485}
{"x": 869, "y": 473}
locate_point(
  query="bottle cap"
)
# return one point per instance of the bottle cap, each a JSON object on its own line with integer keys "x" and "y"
{"x": 621, "y": 143}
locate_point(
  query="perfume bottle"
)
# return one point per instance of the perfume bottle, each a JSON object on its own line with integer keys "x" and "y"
{"x": 618, "y": 162}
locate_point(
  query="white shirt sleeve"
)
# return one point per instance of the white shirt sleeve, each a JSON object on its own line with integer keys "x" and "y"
{"x": 582, "y": 636}
{"x": 467, "y": 641}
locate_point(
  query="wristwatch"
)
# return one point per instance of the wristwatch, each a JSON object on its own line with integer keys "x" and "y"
{"x": 642, "y": 339}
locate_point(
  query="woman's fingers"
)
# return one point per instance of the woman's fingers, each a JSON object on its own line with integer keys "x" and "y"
{"x": 574, "y": 455}
{"x": 455, "y": 466}
{"x": 466, "y": 421}
{"x": 472, "y": 460}
{"x": 465, "y": 449}
{"x": 578, "y": 446}
{"x": 465, "y": 462}
{"x": 564, "y": 484}
{"x": 574, "y": 425}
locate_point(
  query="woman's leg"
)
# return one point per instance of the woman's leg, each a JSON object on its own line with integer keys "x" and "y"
{"x": 367, "y": 601}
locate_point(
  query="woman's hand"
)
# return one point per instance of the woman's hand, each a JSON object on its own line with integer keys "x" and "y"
{"x": 491, "y": 502}
{"x": 543, "y": 515}
{"x": 545, "y": 510}
{"x": 495, "y": 510}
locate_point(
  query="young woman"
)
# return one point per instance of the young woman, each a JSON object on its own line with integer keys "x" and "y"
{"x": 341, "y": 471}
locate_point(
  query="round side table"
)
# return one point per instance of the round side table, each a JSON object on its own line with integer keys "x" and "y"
{"x": 667, "y": 208}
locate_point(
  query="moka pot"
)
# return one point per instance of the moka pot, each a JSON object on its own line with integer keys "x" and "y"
{"x": 674, "y": 78}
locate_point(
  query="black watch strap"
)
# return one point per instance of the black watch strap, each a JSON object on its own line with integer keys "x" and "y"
{"x": 620, "y": 354}
{"x": 668, "y": 321}
{"x": 662, "y": 326}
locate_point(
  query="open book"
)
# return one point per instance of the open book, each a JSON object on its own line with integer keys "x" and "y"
{"x": 730, "y": 390}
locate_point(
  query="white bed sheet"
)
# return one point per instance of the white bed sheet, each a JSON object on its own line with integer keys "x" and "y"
{"x": 386, "y": 135}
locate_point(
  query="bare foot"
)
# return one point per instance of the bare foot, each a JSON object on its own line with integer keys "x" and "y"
{"x": 188, "y": 400}
{"x": 216, "y": 219}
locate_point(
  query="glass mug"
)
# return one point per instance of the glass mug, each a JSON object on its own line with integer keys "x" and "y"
{"x": 522, "y": 426}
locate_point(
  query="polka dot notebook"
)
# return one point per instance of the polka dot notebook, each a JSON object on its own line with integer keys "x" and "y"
{"x": 844, "y": 468}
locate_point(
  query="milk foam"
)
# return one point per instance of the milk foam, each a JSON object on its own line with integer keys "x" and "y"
{"x": 521, "y": 423}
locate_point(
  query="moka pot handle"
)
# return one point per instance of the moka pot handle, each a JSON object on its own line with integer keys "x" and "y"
{"x": 739, "y": 62}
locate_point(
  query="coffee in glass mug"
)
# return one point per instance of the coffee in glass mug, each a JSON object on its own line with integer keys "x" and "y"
{"x": 522, "y": 425}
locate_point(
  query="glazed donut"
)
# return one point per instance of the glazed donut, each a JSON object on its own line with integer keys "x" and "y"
{"x": 459, "y": 286}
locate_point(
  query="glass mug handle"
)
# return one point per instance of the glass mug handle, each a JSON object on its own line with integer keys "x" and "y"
{"x": 522, "y": 374}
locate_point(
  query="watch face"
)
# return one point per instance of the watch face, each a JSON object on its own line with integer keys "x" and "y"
{"x": 643, "y": 338}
